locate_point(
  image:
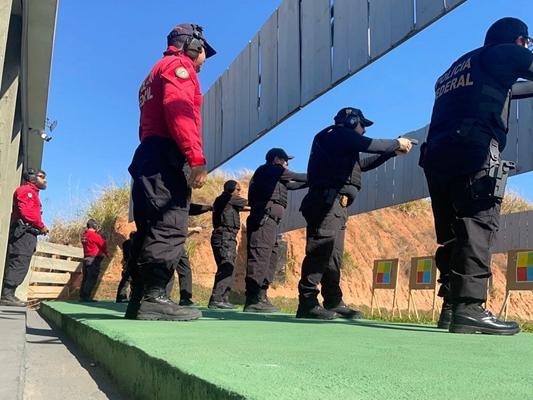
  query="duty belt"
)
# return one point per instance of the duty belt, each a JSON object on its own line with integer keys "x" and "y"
{"x": 276, "y": 219}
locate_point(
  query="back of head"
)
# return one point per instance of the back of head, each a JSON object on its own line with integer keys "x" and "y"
{"x": 93, "y": 224}
{"x": 506, "y": 30}
{"x": 229, "y": 186}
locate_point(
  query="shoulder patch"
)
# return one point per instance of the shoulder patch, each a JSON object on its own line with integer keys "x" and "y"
{"x": 181, "y": 73}
{"x": 30, "y": 195}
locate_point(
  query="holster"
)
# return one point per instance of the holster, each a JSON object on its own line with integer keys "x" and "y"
{"x": 262, "y": 216}
{"x": 19, "y": 228}
{"x": 493, "y": 186}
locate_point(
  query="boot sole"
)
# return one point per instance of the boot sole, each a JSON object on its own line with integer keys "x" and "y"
{"x": 163, "y": 317}
{"x": 260, "y": 311}
{"x": 315, "y": 317}
{"x": 443, "y": 325}
{"x": 10, "y": 304}
{"x": 488, "y": 331}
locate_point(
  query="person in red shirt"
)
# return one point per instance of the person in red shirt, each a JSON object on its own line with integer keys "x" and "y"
{"x": 26, "y": 225}
{"x": 94, "y": 250}
{"x": 170, "y": 135}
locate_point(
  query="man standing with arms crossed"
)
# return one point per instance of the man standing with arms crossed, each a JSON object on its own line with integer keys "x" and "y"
{"x": 170, "y": 135}
{"x": 465, "y": 173}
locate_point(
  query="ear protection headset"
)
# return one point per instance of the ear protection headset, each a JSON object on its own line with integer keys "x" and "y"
{"x": 350, "y": 120}
{"x": 194, "y": 45}
{"x": 93, "y": 224}
{"x": 30, "y": 175}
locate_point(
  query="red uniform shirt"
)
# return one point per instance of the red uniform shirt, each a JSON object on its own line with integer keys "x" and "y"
{"x": 93, "y": 244}
{"x": 170, "y": 100}
{"x": 27, "y": 206}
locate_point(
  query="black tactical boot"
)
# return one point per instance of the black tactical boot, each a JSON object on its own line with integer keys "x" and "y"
{"x": 472, "y": 318}
{"x": 264, "y": 299}
{"x": 445, "y": 315}
{"x": 136, "y": 295}
{"x": 343, "y": 310}
{"x": 221, "y": 305}
{"x": 254, "y": 304}
{"x": 187, "y": 303}
{"x": 8, "y": 298}
{"x": 315, "y": 312}
{"x": 155, "y": 305}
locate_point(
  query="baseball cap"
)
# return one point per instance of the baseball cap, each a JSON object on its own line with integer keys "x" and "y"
{"x": 194, "y": 31}
{"x": 277, "y": 152}
{"x": 345, "y": 112}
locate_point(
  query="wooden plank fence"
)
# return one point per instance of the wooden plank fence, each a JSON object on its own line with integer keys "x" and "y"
{"x": 54, "y": 271}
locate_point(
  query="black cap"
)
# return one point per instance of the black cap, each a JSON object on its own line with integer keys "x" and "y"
{"x": 192, "y": 30}
{"x": 506, "y": 30}
{"x": 345, "y": 113}
{"x": 277, "y": 152}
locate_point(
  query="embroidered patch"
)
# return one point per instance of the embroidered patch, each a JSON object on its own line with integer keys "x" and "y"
{"x": 182, "y": 73}
{"x": 30, "y": 195}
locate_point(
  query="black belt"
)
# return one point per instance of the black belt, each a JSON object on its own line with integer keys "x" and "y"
{"x": 276, "y": 219}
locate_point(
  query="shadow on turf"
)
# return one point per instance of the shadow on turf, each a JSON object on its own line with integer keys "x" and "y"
{"x": 238, "y": 315}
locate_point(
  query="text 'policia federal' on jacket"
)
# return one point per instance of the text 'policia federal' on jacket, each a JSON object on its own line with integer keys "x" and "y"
{"x": 475, "y": 91}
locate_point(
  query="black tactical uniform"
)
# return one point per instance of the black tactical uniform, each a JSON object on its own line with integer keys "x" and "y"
{"x": 267, "y": 197}
{"x": 465, "y": 173}
{"x": 122, "y": 291}
{"x": 334, "y": 178}
{"x": 226, "y": 225}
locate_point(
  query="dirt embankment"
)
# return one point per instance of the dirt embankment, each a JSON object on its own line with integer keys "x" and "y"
{"x": 386, "y": 233}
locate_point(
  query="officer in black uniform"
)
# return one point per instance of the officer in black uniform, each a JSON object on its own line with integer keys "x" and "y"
{"x": 465, "y": 173}
{"x": 267, "y": 197}
{"x": 226, "y": 225}
{"x": 122, "y": 291}
{"x": 334, "y": 178}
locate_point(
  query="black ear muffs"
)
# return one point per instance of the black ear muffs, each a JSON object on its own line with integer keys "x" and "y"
{"x": 194, "y": 46}
{"x": 30, "y": 175}
{"x": 351, "y": 121}
{"x": 93, "y": 224}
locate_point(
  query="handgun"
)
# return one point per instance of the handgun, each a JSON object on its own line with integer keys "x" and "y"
{"x": 413, "y": 141}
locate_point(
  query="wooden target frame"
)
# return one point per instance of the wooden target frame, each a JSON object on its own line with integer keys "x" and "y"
{"x": 385, "y": 276}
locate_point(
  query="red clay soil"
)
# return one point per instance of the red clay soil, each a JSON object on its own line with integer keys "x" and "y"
{"x": 386, "y": 233}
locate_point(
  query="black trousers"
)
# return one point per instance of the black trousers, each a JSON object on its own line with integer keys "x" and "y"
{"x": 161, "y": 201}
{"x": 262, "y": 252}
{"x": 122, "y": 291}
{"x": 91, "y": 270}
{"x": 326, "y": 227}
{"x": 183, "y": 268}
{"x": 224, "y": 245}
{"x": 20, "y": 252}
{"x": 466, "y": 229}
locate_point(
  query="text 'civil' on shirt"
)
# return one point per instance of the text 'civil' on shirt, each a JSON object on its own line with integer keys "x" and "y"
{"x": 169, "y": 99}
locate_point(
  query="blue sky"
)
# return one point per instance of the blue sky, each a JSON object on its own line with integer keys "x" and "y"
{"x": 104, "y": 49}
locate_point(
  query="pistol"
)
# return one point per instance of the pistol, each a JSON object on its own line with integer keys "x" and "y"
{"x": 413, "y": 141}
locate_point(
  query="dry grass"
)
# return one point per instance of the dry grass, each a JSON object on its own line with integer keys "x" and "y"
{"x": 513, "y": 203}
{"x": 107, "y": 206}
{"x": 414, "y": 208}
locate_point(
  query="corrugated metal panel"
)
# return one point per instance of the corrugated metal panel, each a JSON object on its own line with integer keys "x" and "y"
{"x": 268, "y": 47}
{"x": 288, "y": 47}
{"x": 228, "y": 114}
{"x": 208, "y": 126}
{"x": 242, "y": 92}
{"x": 315, "y": 22}
{"x": 390, "y": 23}
{"x": 428, "y": 11}
{"x": 218, "y": 119}
{"x": 350, "y": 37}
{"x": 524, "y": 157}
{"x": 254, "y": 89}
